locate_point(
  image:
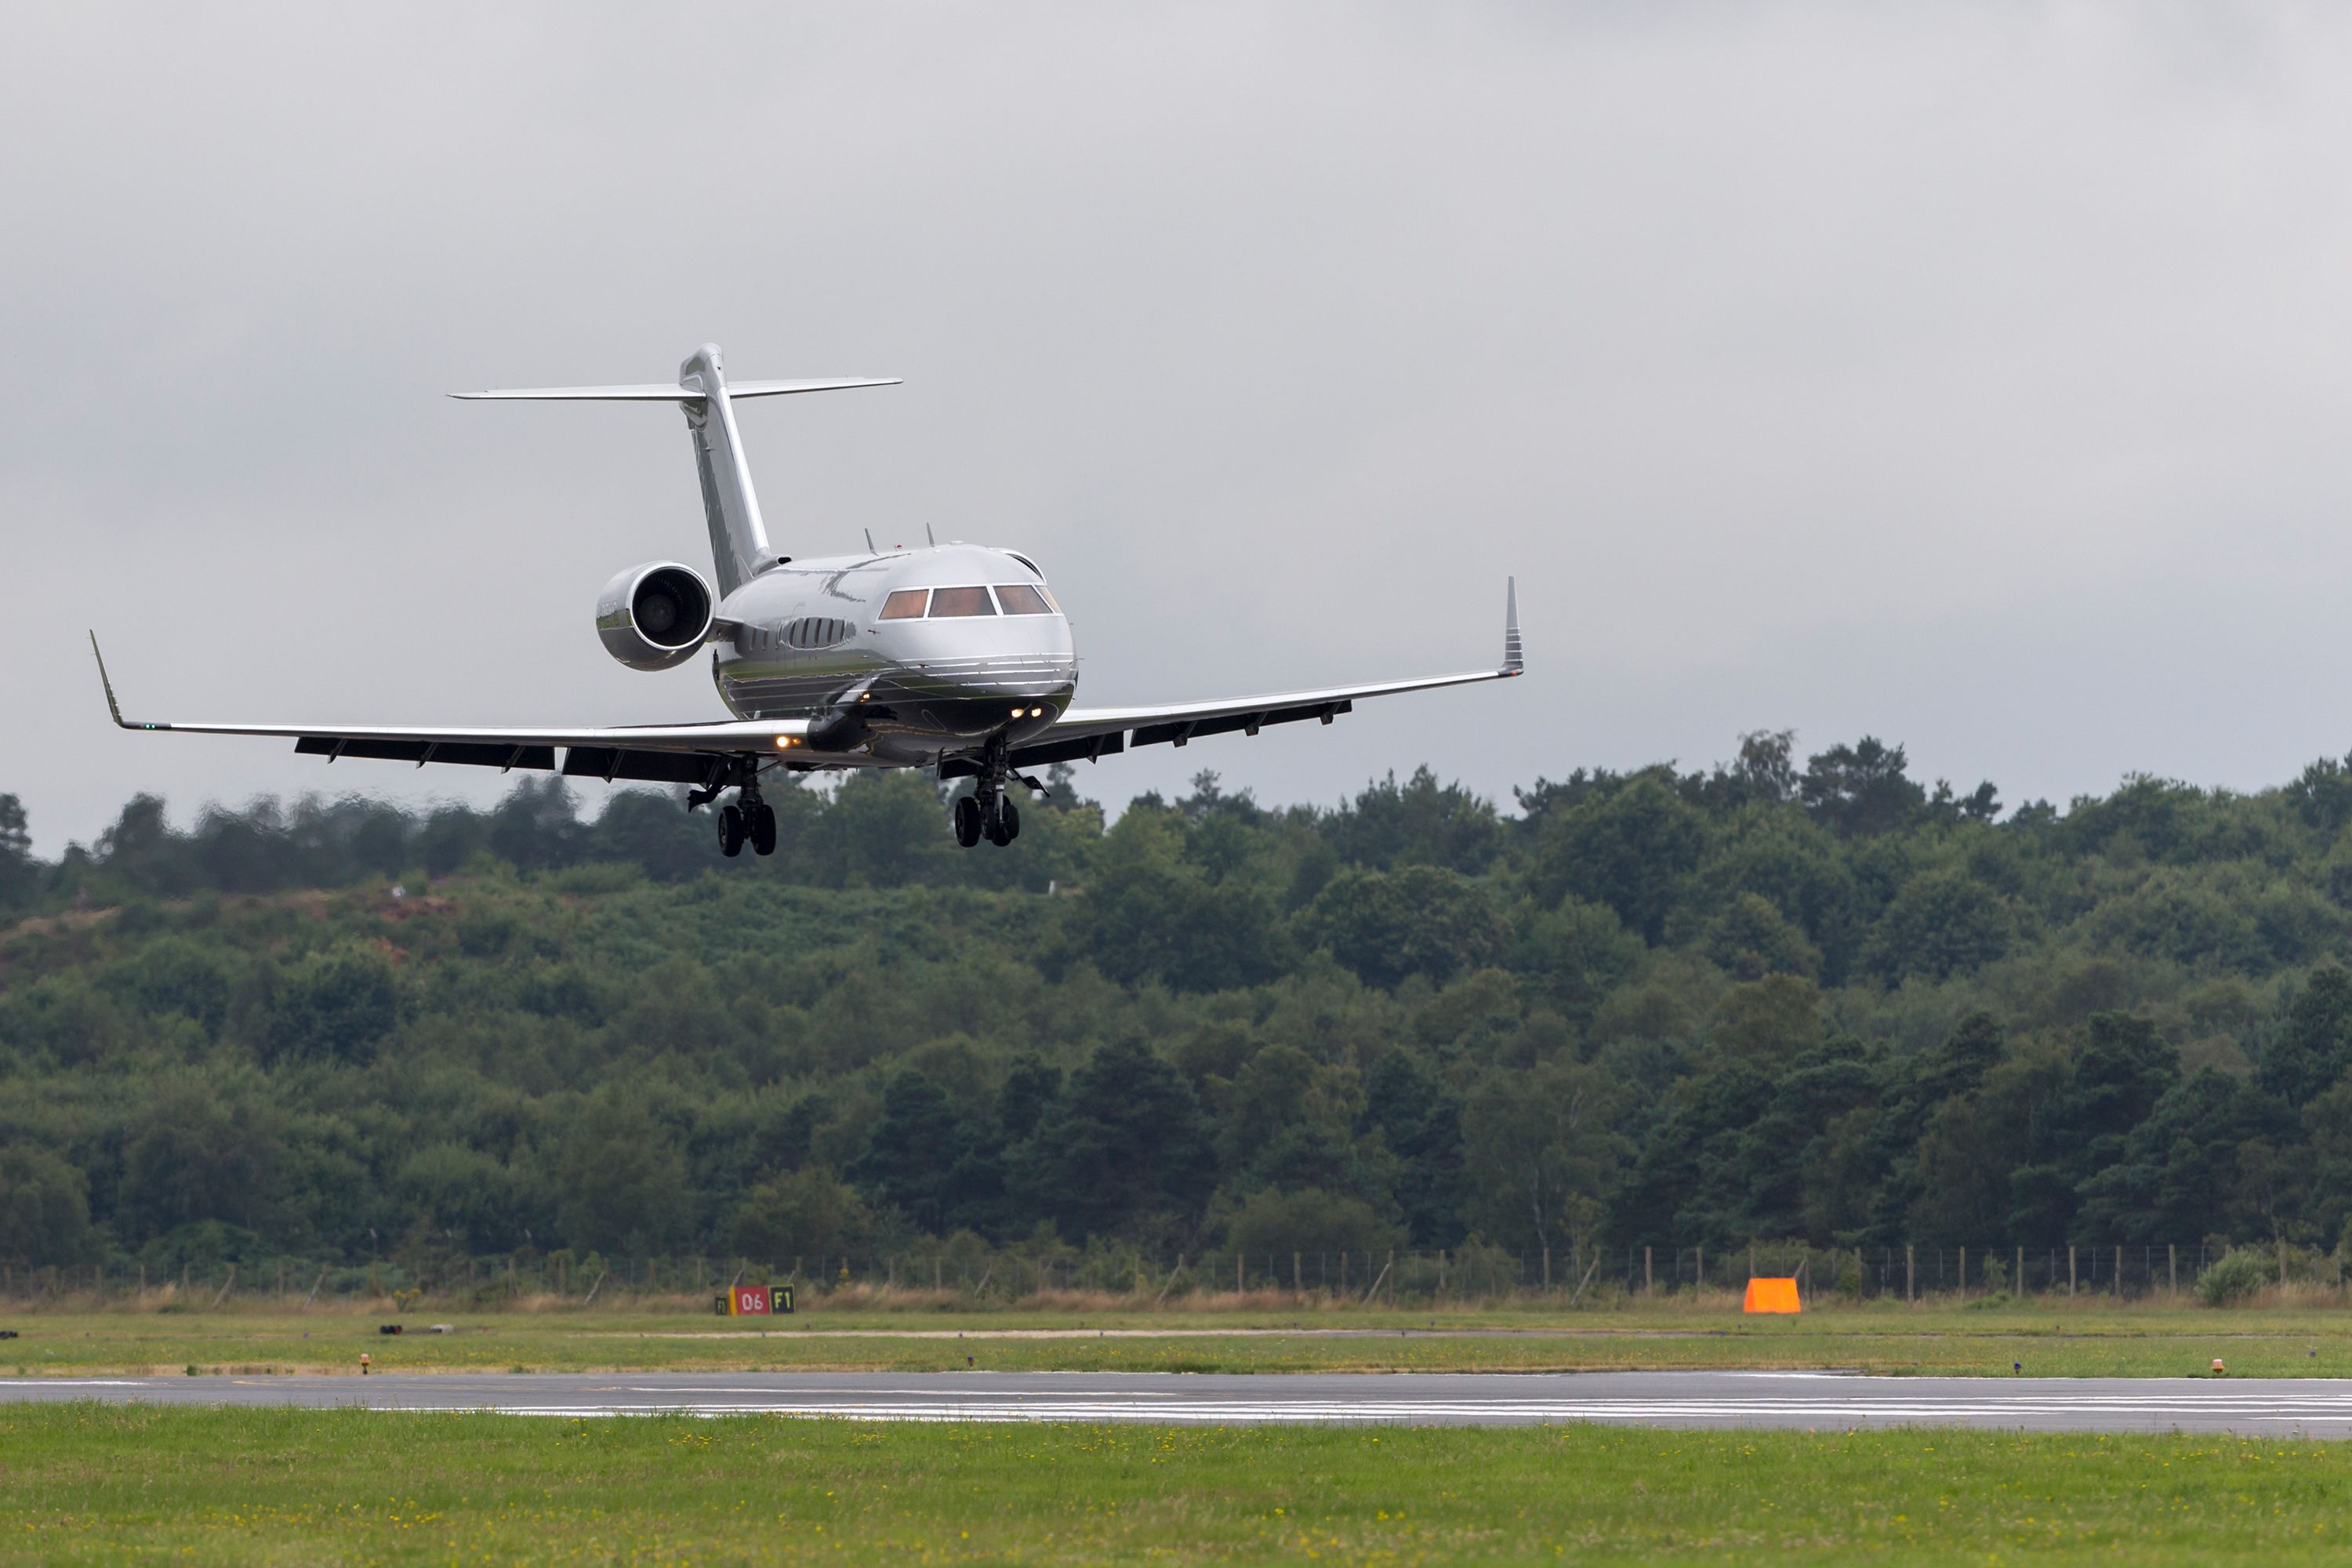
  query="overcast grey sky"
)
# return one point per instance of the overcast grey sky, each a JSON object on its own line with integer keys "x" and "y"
{"x": 1973, "y": 375}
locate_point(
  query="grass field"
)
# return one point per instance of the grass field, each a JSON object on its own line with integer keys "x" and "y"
{"x": 2046, "y": 1340}
{"x": 88, "y": 1484}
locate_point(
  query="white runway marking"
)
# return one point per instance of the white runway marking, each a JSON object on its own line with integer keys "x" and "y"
{"x": 2112, "y": 1413}
{"x": 2318, "y": 1408}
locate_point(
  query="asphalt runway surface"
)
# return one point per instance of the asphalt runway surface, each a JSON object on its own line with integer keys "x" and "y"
{"x": 2282, "y": 1407}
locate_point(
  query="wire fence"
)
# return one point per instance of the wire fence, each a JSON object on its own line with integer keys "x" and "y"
{"x": 1570, "y": 1275}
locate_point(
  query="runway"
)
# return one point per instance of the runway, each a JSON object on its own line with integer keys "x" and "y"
{"x": 2313, "y": 1407}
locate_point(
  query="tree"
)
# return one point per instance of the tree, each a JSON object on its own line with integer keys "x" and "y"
{"x": 1419, "y": 1118}
{"x": 807, "y": 1213}
{"x": 1540, "y": 1152}
{"x": 621, "y": 1186}
{"x": 1772, "y": 1020}
{"x": 1422, "y": 920}
{"x": 334, "y": 1005}
{"x": 1628, "y": 850}
{"x": 1126, "y": 1141}
{"x": 1944, "y": 922}
{"x": 194, "y": 1155}
{"x": 2313, "y": 1049}
{"x": 1418, "y": 822}
{"x": 17, "y": 872}
{"x": 922, "y": 1159}
{"x": 44, "y": 1207}
{"x": 1577, "y": 954}
{"x": 1751, "y": 939}
{"x": 1861, "y": 789}
{"x": 1150, "y": 915}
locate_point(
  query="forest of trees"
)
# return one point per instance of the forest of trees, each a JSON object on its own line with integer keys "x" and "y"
{"x": 1783, "y": 997}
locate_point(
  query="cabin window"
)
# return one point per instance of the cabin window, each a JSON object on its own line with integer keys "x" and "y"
{"x": 906, "y": 605}
{"x": 960, "y": 602}
{"x": 1020, "y": 599}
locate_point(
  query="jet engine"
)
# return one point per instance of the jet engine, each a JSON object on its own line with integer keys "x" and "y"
{"x": 655, "y": 616}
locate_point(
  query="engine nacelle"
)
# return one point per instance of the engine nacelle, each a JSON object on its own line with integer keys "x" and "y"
{"x": 656, "y": 615}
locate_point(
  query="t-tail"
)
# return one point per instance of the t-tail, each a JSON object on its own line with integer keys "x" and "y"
{"x": 740, "y": 547}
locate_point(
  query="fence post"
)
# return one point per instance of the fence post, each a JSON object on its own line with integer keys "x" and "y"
{"x": 2017, "y": 1283}
{"x": 2282, "y": 1251}
{"x": 1698, "y": 1268}
{"x": 1910, "y": 1272}
{"x": 2070, "y": 1268}
{"x": 1547, "y": 1285}
{"x": 1964, "y": 1273}
{"x": 1649, "y": 1279}
{"x": 2172, "y": 1268}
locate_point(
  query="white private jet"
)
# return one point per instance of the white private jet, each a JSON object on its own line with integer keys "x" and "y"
{"x": 953, "y": 657}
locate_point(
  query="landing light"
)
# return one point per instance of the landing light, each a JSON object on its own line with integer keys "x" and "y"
{"x": 786, "y": 743}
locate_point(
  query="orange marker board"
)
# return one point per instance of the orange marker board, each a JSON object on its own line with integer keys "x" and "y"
{"x": 1772, "y": 1296}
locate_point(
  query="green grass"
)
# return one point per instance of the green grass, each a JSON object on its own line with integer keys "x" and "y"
{"x": 2049, "y": 1340}
{"x": 91, "y": 1484}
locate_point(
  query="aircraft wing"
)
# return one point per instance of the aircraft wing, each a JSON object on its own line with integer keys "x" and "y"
{"x": 1094, "y": 732}
{"x": 672, "y": 753}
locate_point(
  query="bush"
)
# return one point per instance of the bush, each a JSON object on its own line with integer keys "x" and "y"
{"x": 2241, "y": 1271}
{"x": 1307, "y": 1221}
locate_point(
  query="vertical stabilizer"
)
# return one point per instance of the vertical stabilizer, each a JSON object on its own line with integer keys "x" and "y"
{"x": 739, "y": 536}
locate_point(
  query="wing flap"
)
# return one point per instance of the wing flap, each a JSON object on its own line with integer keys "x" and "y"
{"x": 476, "y": 753}
{"x": 610, "y": 763}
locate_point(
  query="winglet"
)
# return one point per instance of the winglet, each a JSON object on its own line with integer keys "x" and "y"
{"x": 1514, "y": 659}
{"x": 111, "y": 705}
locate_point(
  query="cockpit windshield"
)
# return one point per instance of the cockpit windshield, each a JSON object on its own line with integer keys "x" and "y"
{"x": 1021, "y": 599}
{"x": 960, "y": 602}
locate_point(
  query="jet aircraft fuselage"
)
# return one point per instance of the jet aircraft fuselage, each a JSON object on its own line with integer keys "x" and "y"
{"x": 934, "y": 648}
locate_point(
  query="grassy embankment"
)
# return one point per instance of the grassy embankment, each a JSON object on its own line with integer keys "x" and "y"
{"x": 2048, "y": 1338}
{"x": 86, "y": 1484}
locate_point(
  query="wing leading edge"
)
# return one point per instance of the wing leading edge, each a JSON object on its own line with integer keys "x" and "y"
{"x": 1090, "y": 734}
{"x": 676, "y": 753}
{"x": 702, "y": 753}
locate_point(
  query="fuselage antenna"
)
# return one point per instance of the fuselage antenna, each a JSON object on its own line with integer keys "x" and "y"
{"x": 870, "y": 543}
{"x": 929, "y": 535}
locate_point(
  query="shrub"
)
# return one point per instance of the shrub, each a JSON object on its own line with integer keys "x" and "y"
{"x": 2240, "y": 1272}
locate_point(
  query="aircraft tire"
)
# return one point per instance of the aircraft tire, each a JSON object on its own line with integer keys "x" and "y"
{"x": 1008, "y": 822}
{"x": 967, "y": 821}
{"x": 731, "y": 831}
{"x": 763, "y": 829}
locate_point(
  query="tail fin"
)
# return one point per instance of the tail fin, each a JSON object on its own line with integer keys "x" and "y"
{"x": 739, "y": 536}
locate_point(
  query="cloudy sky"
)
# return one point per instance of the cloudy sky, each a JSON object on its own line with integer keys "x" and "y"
{"x": 1973, "y": 375}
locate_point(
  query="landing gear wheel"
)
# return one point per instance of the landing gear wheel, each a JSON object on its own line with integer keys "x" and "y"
{"x": 730, "y": 831}
{"x": 764, "y": 828}
{"x": 967, "y": 821}
{"x": 1008, "y": 821}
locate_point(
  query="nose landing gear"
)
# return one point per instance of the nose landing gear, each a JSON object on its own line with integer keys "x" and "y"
{"x": 986, "y": 813}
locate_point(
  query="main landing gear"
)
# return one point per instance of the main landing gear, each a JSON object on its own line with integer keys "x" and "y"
{"x": 750, "y": 820}
{"x": 974, "y": 822}
{"x": 987, "y": 813}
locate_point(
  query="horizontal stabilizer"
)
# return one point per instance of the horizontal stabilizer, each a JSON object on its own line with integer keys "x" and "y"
{"x": 671, "y": 392}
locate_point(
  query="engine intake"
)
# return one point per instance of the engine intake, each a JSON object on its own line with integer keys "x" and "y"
{"x": 655, "y": 616}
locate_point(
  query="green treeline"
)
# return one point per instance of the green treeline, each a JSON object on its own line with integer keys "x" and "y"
{"x": 1770, "y": 999}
